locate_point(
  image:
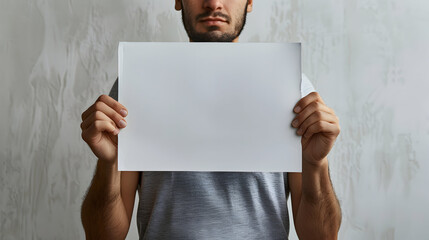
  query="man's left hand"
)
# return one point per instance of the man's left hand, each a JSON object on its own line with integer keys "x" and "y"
{"x": 318, "y": 125}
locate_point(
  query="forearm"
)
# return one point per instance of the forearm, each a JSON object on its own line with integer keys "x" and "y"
{"x": 103, "y": 212}
{"x": 319, "y": 213}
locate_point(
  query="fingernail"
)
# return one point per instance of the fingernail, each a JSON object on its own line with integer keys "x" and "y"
{"x": 116, "y": 132}
{"x": 122, "y": 123}
{"x": 297, "y": 109}
{"x": 299, "y": 131}
{"x": 123, "y": 112}
{"x": 295, "y": 123}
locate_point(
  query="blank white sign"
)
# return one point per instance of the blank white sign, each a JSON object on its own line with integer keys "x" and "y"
{"x": 209, "y": 106}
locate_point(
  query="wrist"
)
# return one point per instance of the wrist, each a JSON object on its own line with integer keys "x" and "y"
{"x": 314, "y": 165}
{"x": 107, "y": 164}
{"x": 109, "y": 174}
{"x": 315, "y": 180}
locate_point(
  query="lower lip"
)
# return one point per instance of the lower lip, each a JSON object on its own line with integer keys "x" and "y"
{"x": 211, "y": 23}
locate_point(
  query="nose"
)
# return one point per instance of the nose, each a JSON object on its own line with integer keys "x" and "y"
{"x": 212, "y": 5}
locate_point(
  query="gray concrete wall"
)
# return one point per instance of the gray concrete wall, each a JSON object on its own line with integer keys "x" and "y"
{"x": 369, "y": 59}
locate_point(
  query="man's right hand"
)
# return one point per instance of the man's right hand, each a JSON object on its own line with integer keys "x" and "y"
{"x": 100, "y": 127}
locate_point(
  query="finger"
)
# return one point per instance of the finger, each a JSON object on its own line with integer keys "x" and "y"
{"x": 112, "y": 103}
{"x": 322, "y": 127}
{"x": 317, "y": 116}
{"x": 98, "y": 127}
{"x": 312, "y": 97}
{"x": 97, "y": 115}
{"x": 310, "y": 109}
{"x": 108, "y": 111}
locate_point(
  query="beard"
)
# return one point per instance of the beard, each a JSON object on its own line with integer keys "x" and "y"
{"x": 212, "y": 35}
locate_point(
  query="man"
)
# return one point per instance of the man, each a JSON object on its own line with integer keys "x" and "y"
{"x": 212, "y": 205}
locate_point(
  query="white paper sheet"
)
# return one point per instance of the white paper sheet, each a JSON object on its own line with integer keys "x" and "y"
{"x": 209, "y": 106}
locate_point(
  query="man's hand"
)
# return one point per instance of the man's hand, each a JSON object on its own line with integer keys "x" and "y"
{"x": 318, "y": 125}
{"x": 100, "y": 127}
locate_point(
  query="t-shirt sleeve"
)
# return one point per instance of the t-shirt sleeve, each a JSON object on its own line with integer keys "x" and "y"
{"x": 114, "y": 91}
{"x": 306, "y": 86}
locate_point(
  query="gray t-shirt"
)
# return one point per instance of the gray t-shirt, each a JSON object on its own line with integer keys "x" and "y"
{"x": 213, "y": 205}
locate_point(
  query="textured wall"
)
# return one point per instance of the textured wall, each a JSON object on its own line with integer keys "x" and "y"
{"x": 368, "y": 58}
